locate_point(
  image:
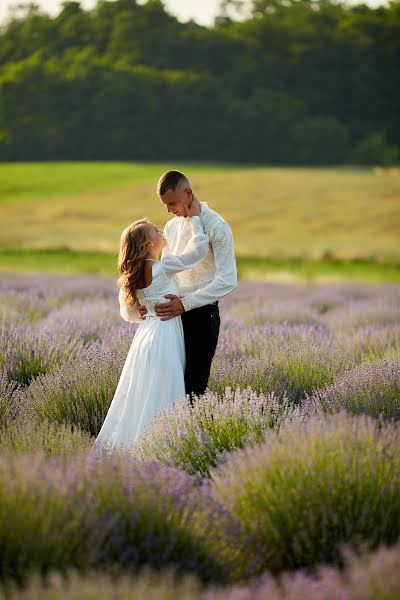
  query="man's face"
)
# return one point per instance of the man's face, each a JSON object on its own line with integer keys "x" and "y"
{"x": 175, "y": 201}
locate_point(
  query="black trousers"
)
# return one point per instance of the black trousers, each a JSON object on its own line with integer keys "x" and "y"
{"x": 201, "y": 330}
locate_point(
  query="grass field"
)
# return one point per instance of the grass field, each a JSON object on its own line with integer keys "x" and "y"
{"x": 348, "y": 220}
{"x": 59, "y": 260}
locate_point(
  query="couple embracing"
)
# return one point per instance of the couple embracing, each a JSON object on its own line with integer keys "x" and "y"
{"x": 175, "y": 300}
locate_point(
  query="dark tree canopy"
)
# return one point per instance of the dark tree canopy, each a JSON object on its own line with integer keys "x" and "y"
{"x": 291, "y": 82}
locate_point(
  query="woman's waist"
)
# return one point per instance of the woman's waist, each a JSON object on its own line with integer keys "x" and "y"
{"x": 151, "y": 303}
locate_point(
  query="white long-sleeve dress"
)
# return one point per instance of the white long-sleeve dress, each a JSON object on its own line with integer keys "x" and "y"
{"x": 153, "y": 374}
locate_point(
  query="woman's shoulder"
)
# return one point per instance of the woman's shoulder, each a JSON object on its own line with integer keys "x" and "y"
{"x": 148, "y": 272}
{"x": 152, "y": 271}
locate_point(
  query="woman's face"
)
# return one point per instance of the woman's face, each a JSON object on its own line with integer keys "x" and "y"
{"x": 156, "y": 237}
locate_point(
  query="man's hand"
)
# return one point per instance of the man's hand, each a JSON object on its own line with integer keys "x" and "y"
{"x": 142, "y": 310}
{"x": 169, "y": 310}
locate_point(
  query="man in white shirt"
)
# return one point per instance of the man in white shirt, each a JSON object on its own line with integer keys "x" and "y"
{"x": 200, "y": 288}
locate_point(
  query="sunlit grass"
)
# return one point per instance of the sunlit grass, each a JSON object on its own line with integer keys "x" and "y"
{"x": 27, "y": 181}
{"x": 275, "y": 213}
{"x": 287, "y": 271}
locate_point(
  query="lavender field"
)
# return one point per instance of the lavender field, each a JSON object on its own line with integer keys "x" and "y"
{"x": 283, "y": 482}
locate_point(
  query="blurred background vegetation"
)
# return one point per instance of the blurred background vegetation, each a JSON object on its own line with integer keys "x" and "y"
{"x": 285, "y": 114}
{"x": 296, "y": 82}
{"x": 288, "y": 222}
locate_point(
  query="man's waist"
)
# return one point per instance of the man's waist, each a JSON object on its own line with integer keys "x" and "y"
{"x": 186, "y": 289}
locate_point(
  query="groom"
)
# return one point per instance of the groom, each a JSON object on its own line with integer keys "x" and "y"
{"x": 200, "y": 288}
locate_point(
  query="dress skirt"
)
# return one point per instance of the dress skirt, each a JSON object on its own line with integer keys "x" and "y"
{"x": 152, "y": 378}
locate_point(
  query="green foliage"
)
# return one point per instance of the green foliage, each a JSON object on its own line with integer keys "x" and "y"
{"x": 374, "y": 149}
{"x": 79, "y": 395}
{"x": 148, "y": 583}
{"x": 8, "y": 404}
{"x": 371, "y": 388}
{"x": 367, "y": 577}
{"x": 25, "y": 435}
{"x": 93, "y": 510}
{"x": 199, "y": 437}
{"x": 62, "y": 260}
{"x": 313, "y": 487}
{"x": 293, "y": 83}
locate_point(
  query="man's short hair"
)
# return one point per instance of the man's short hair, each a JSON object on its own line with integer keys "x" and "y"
{"x": 172, "y": 180}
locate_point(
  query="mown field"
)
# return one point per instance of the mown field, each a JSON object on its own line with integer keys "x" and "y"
{"x": 288, "y": 463}
{"x": 310, "y": 224}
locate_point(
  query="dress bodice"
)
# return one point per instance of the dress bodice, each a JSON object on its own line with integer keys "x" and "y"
{"x": 164, "y": 274}
{"x": 154, "y": 293}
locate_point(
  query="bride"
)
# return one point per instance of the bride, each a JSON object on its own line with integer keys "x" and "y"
{"x": 153, "y": 374}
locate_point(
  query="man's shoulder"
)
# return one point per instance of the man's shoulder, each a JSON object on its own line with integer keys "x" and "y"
{"x": 211, "y": 217}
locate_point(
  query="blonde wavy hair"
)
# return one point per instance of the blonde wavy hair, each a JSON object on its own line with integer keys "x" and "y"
{"x": 133, "y": 248}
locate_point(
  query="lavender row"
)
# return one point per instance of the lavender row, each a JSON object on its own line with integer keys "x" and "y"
{"x": 375, "y": 575}
{"x": 291, "y": 501}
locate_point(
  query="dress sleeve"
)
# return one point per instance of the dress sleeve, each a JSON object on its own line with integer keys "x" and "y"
{"x": 128, "y": 313}
{"x": 195, "y": 251}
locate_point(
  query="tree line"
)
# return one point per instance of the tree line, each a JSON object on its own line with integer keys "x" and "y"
{"x": 294, "y": 82}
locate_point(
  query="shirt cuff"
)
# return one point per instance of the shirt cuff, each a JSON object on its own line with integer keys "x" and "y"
{"x": 188, "y": 302}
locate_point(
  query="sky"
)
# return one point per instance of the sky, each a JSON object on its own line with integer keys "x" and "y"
{"x": 202, "y": 11}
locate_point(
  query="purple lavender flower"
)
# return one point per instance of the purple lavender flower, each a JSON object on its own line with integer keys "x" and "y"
{"x": 312, "y": 487}
{"x": 370, "y": 388}
{"x": 199, "y": 438}
{"x": 93, "y": 510}
{"x": 9, "y": 402}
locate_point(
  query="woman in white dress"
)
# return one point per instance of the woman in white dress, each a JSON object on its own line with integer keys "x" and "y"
{"x": 153, "y": 374}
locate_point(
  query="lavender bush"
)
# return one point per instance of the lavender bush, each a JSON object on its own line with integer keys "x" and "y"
{"x": 313, "y": 486}
{"x": 95, "y": 511}
{"x": 118, "y": 339}
{"x": 283, "y": 359}
{"x": 370, "y": 388}
{"x": 26, "y": 436}
{"x": 73, "y": 585}
{"x": 58, "y": 289}
{"x": 26, "y": 352}
{"x": 364, "y": 312}
{"x": 370, "y": 577}
{"x": 372, "y": 342}
{"x": 24, "y": 307}
{"x": 201, "y": 437}
{"x": 9, "y": 405}
{"x": 78, "y": 393}
{"x": 286, "y": 340}
{"x": 273, "y": 483}
{"x": 90, "y": 320}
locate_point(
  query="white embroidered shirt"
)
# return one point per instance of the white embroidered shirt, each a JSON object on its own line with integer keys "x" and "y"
{"x": 216, "y": 275}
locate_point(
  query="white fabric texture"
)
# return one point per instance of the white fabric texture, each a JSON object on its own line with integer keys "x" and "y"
{"x": 153, "y": 374}
{"x": 216, "y": 275}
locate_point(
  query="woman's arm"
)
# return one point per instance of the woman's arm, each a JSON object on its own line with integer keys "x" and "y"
{"x": 196, "y": 249}
{"x": 128, "y": 313}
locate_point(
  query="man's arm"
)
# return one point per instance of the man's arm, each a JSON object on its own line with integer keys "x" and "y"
{"x": 225, "y": 279}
